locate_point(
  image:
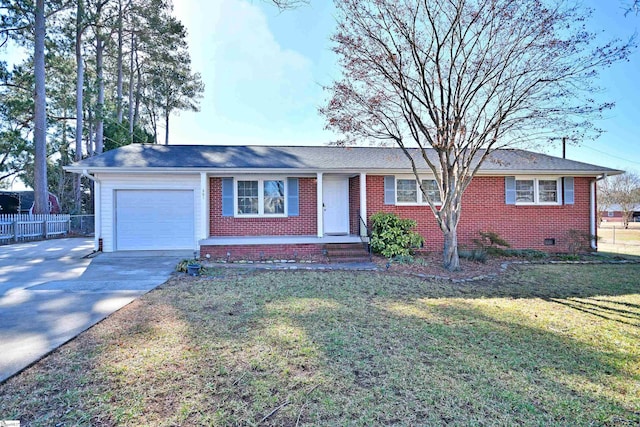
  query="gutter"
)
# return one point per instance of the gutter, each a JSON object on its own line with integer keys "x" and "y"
{"x": 87, "y": 175}
{"x": 97, "y": 211}
{"x": 312, "y": 171}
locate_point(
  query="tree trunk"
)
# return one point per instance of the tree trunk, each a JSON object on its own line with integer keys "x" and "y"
{"x": 41, "y": 192}
{"x": 451, "y": 259}
{"x": 131, "y": 77}
{"x": 154, "y": 125}
{"x": 77, "y": 194}
{"x": 136, "y": 110}
{"x": 119, "y": 65}
{"x": 448, "y": 218}
{"x": 64, "y": 160}
{"x": 99, "y": 146}
{"x": 90, "y": 136}
{"x": 166, "y": 128}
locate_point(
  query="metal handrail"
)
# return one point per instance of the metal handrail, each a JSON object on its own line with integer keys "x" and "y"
{"x": 369, "y": 234}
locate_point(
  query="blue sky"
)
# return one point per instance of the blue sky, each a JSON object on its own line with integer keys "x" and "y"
{"x": 264, "y": 69}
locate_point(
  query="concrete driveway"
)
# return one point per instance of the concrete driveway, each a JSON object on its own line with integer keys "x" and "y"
{"x": 49, "y": 293}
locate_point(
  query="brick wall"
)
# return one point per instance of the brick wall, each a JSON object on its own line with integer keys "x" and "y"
{"x": 484, "y": 209}
{"x": 264, "y": 252}
{"x": 305, "y": 224}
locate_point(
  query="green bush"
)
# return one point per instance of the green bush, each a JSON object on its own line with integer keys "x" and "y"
{"x": 392, "y": 236}
{"x": 491, "y": 243}
{"x": 526, "y": 253}
{"x": 477, "y": 255}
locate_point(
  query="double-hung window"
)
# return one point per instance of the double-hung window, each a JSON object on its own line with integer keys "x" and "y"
{"x": 408, "y": 192}
{"x": 260, "y": 197}
{"x": 538, "y": 191}
{"x": 430, "y": 187}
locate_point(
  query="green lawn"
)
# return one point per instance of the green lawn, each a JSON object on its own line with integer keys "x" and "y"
{"x": 545, "y": 345}
{"x": 615, "y": 239}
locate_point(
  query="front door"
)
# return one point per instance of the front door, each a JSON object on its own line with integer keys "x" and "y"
{"x": 335, "y": 197}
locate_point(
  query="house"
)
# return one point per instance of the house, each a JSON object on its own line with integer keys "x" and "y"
{"x": 614, "y": 213}
{"x": 21, "y": 202}
{"x": 270, "y": 201}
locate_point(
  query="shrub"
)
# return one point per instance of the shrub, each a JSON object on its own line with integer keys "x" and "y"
{"x": 579, "y": 241}
{"x": 477, "y": 255}
{"x": 526, "y": 253}
{"x": 392, "y": 235}
{"x": 491, "y": 243}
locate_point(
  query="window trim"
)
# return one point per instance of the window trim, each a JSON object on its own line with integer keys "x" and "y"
{"x": 261, "y": 179}
{"x": 536, "y": 190}
{"x": 421, "y": 201}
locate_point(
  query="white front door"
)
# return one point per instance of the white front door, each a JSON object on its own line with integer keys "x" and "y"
{"x": 335, "y": 198}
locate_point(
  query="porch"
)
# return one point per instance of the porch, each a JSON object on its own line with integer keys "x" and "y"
{"x": 281, "y": 240}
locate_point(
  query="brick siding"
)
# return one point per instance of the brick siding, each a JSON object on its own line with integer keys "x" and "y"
{"x": 484, "y": 209}
{"x": 263, "y": 252}
{"x": 304, "y": 224}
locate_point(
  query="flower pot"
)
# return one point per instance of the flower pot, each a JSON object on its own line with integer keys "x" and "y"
{"x": 193, "y": 269}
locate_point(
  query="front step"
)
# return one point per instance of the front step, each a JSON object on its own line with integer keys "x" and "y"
{"x": 346, "y": 252}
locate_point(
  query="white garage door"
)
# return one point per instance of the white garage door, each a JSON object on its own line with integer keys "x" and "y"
{"x": 154, "y": 219}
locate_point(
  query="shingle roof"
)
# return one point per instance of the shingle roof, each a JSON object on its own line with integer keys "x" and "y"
{"x": 311, "y": 158}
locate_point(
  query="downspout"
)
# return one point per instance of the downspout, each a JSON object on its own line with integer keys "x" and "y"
{"x": 593, "y": 212}
{"x": 97, "y": 212}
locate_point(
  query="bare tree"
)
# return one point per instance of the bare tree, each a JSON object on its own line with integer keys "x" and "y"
{"x": 461, "y": 78}
{"x": 620, "y": 190}
{"x": 289, "y": 4}
{"x": 633, "y": 7}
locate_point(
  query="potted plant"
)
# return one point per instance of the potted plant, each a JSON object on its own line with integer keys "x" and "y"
{"x": 193, "y": 268}
{"x": 190, "y": 266}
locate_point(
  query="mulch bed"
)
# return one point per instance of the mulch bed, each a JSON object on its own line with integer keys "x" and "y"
{"x": 430, "y": 265}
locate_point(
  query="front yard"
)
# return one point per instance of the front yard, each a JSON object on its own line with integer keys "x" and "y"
{"x": 545, "y": 345}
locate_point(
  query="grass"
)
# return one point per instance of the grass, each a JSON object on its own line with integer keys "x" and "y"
{"x": 615, "y": 239}
{"x": 544, "y": 345}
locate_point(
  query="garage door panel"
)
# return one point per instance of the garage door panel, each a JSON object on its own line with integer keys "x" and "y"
{"x": 154, "y": 219}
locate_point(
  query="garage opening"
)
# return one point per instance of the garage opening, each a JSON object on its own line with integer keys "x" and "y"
{"x": 154, "y": 220}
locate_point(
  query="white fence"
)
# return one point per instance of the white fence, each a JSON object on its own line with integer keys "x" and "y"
{"x": 16, "y": 228}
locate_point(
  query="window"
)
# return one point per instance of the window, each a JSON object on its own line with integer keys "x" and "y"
{"x": 407, "y": 192}
{"x": 548, "y": 191}
{"x": 430, "y": 187}
{"x": 524, "y": 191}
{"x": 610, "y": 214}
{"x": 248, "y": 197}
{"x": 260, "y": 197}
{"x": 273, "y": 197}
{"x": 536, "y": 191}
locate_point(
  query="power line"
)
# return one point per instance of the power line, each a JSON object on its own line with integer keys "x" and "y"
{"x": 611, "y": 155}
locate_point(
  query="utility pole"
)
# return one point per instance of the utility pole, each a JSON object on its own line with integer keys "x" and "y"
{"x": 564, "y": 140}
